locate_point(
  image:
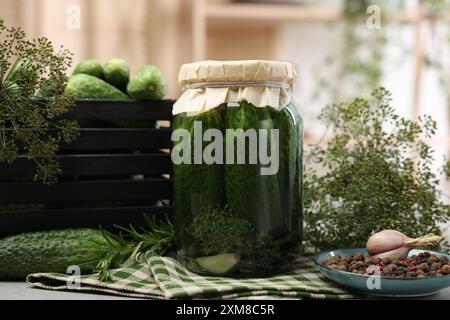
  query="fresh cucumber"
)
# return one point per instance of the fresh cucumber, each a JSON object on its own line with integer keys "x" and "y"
{"x": 83, "y": 86}
{"x": 249, "y": 194}
{"x": 198, "y": 187}
{"x": 117, "y": 73}
{"x": 50, "y": 251}
{"x": 90, "y": 67}
{"x": 289, "y": 123}
{"x": 148, "y": 84}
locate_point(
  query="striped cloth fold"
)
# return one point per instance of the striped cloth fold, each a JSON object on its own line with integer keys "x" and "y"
{"x": 157, "y": 277}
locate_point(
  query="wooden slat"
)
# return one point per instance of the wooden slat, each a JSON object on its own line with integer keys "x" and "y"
{"x": 96, "y": 164}
{"x": 97, "y": 152}
{"x": 14, "y": 222}
{"x": 122, "y": 109}
{"x": 86, "y": 191}
{"x": 121, "y": 139}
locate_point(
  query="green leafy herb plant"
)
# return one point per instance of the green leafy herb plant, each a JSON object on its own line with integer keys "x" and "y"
{"x": 374, "y": 173}
{"x": 33, "y": 102}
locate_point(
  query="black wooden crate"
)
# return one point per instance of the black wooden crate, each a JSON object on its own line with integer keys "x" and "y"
{"x": 113, "y": 173}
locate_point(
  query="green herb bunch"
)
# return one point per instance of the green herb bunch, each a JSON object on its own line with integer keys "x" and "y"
{"x": 219, "y": 230}
{"x": 32, "y": 101}
{"x": 158, "y": 237}
{"x": 375, "y": 173}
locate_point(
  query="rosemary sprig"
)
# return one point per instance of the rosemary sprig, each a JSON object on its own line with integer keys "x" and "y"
{"x": 158, "y": 237}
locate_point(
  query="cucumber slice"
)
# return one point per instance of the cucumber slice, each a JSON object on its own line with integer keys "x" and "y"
{"x": 219, "y": 264}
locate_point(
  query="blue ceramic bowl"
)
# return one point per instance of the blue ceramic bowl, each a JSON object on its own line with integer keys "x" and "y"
{"x": 382, "y": 286}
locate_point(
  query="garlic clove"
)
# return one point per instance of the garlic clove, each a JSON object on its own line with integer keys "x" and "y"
{"x": 385, "y": 241}
{"x": 398, "y": 253}
{"x": 218, "y": 264}
{"x": 396, "y": 245}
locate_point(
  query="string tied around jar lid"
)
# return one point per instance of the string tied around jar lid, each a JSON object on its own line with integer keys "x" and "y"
{"x": 239, "y": 84}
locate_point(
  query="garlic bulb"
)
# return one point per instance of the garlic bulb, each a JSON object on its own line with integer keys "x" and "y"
{"x": 394, "y": 244}
{"x": 398, "y": 253}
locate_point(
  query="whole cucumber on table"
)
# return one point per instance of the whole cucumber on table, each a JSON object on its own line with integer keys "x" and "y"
{"x": 249, "y": 194}
{"x": 50, "y": 251}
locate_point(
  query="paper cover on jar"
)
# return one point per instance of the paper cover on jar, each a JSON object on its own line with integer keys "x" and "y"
{"x": 208, "y": 84}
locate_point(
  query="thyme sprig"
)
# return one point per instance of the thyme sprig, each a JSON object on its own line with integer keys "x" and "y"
{"x": 376, "y": 172}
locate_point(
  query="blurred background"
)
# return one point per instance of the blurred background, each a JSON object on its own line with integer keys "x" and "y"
{"x": 340, "y": 48}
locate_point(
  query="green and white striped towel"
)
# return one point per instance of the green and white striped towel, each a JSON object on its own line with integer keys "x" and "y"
{"x": 165, "y": 278}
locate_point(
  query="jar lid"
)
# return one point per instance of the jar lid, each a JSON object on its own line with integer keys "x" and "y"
{"x": 249, "y": 71}
{"x": 209, "y": 84}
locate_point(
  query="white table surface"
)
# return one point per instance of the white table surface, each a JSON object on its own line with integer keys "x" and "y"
{"x": 22, "y": 291}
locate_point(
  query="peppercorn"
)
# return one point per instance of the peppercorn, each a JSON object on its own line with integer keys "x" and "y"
{"x": 342, "y": 267}
{"x": 358, "y": 257}
{"x": 423, "y": 267}
{"x": 445, "y": 269}
{"x": 411, "y": 274}
{"x": 348, "y": 259}
{"x": 358, "y": 264}
{"x": 376, "y": 260}
{"x": 403, "y": 263}
{"x": 327, "y": 262}
{"x": 401, "y": 269}
{"x": 333, "y": 266}
{"x": 435, "y": 266}
{"x": 390, "y": 267}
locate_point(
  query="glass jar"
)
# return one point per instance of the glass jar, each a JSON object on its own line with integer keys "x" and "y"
{"x": 237, "y": 169}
